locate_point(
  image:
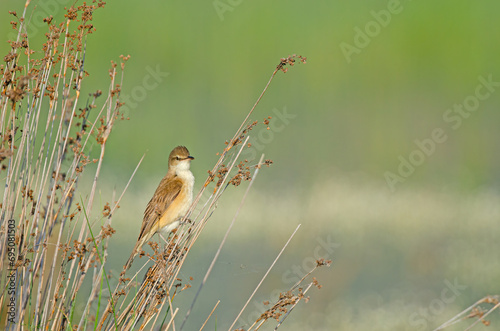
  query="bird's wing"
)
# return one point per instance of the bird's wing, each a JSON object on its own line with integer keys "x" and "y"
{"x": 165, "y": 194}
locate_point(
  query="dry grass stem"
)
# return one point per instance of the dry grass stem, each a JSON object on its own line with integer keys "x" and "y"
{"x": 264, "y": 277}
{"x": 210, "y": 315}
{"x": 474, "y": 311}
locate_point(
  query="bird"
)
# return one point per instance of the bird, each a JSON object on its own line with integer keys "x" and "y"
{"x": 169, "y": 203}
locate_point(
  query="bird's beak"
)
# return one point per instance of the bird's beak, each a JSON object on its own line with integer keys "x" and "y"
{"x": 190, "y": 157}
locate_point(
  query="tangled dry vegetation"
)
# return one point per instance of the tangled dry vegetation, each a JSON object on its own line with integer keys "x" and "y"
{"x": 53, "y": 238}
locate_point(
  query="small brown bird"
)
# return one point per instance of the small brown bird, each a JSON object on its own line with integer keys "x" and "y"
{"x": 171, "y": 200}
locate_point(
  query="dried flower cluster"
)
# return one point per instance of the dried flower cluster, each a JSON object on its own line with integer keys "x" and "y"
{"x": 476, "y": 312}
{"x": 290, "y": 60}
{"x": 479, "y": 312}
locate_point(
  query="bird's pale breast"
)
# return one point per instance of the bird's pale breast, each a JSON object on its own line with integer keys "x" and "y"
{"x": 179, "y": 207}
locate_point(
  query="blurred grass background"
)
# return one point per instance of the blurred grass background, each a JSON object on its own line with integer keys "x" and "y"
{"x": 393, "y": 251}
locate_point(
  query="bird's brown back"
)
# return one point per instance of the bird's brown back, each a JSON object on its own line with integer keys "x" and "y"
{"x": 168, "y": 189}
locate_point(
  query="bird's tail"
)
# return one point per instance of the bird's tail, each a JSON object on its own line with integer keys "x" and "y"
{"x": 137, "y": 249}
{"x": 130, "y": 260}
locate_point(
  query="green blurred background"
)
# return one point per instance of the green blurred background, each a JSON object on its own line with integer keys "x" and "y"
{"x": 406, "y": 256}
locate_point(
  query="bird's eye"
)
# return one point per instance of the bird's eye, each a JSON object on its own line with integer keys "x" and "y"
{"x": 177, "y": 158}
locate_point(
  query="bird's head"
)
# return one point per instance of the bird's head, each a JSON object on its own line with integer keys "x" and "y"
{"x": 179, "y": 158}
